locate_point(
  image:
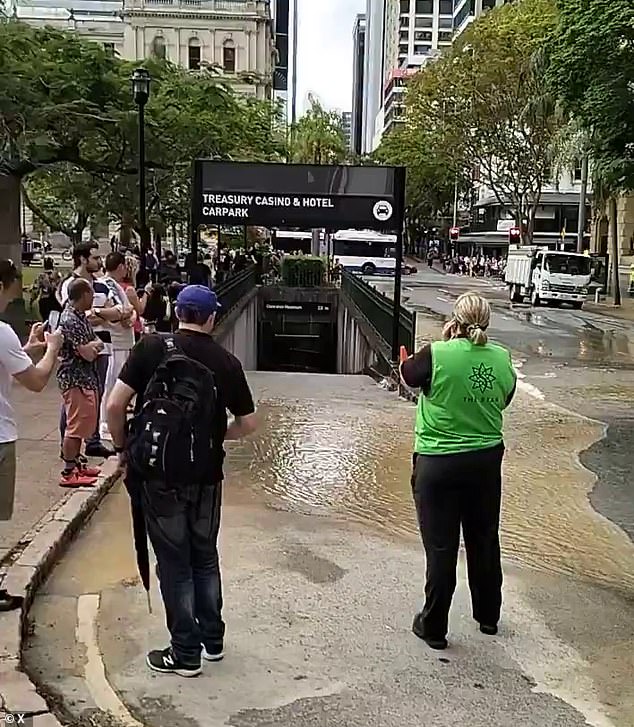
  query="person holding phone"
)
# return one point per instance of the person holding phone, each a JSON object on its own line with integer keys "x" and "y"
{"x": 16, "y": 365}
{"x": 88, "y": 264}
{"x": 466, "y": 383}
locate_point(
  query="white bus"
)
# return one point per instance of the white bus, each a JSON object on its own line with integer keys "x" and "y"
{"x": 365, "y": 251}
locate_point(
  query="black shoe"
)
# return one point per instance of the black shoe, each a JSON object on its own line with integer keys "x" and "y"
{"x": 215, "y": 653}
{"x": 166, "y": 662}
{"x": 8, "y": 602}
{"x": 99, "y": 450}
{"x": 438, "y": 643}
{"x": 489, "y": 630}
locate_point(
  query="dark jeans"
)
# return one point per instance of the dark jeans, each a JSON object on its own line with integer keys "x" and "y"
{"x": 184, "y": 537}
{"x": 102, "y": 370}
{"x": 450, "y": 491}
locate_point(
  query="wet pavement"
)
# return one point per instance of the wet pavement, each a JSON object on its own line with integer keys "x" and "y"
{"x": 323, "y": 571}
{"x": 582, "y": 360}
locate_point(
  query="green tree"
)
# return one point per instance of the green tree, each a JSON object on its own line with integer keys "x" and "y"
{"x": 67, "y": 116}
{"x": 484, "y": 102}
{"x": 431, "y": 173}
{"x": 591, "y": 68}
{"x": 66, "y": 198}
{"x": 318, "y": 137}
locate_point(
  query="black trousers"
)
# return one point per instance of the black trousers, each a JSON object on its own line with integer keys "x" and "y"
{"x": 184, "y": 536}
{"x": 450, "y": 491}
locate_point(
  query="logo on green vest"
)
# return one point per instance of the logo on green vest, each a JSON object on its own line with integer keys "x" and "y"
{"x": 482, "y": 378}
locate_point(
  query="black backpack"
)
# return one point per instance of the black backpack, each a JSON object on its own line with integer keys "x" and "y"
{"x": 171, "y": 437}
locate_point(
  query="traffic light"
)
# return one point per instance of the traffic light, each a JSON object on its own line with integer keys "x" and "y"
{"x": 454, "y": 234}
{"x": 515, "y": 236}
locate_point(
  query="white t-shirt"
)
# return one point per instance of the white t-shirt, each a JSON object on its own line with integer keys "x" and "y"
{"x": 13, "y": 360}
{"x": 122, "y": 336}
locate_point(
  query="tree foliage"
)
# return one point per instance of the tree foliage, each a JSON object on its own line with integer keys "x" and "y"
{"x": 482, "y": 109}
{"x": 318, "y": 137}
{"x": 68, "y": 120}
{"x": 591, "y": 69}
{"x": 431, "y": 172}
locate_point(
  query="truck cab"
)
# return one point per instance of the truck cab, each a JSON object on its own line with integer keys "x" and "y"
{"x": 548, "y": 276}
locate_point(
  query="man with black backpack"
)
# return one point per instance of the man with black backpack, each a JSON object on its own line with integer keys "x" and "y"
{"x": 184, "y": 384}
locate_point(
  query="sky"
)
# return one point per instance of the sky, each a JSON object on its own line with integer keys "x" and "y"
{"x": 324, "y": 55}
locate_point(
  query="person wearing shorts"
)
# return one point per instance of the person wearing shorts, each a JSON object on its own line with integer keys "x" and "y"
{"x": 78, "y": 382}
{"x": 16, "y": 365}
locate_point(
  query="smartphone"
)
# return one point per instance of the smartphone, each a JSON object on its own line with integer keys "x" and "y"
{"x": 52, "y": 323}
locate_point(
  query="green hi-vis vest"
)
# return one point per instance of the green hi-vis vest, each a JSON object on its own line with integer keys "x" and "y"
{"x": 470, "y": 386}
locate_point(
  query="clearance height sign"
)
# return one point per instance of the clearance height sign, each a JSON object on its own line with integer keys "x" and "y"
{"x": 295, "y": 195}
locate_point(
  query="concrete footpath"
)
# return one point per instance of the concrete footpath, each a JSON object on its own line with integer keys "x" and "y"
{"x": 38, "y": 463}
{"x": 324, "y": 572}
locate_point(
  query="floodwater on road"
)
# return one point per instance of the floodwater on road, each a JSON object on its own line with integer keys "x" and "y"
{"x": 340, "y": 449}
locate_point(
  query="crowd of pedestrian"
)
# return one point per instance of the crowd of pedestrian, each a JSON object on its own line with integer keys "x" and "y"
{"x": 474, "y": 266}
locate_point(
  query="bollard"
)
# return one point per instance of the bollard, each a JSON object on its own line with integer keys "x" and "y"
{"x": 597, "y": 295}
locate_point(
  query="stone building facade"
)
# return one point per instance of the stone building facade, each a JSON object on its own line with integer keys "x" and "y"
{"x": 235, "y": 36}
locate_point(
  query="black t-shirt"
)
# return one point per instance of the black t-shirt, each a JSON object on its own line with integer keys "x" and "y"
{"x": 234, "y": 393}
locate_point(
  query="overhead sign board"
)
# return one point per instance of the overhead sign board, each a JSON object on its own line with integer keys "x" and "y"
{"x": 298, "y": 195}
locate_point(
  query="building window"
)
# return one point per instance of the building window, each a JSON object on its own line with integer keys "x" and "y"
{"x": 577, "y": 171}
{"x": 446, "y": 7}
{"x": 193, "y": 54}
{"x": 422, "y": 50}
{"x": 158, "y": 48}
{"x": 229, "y": 59}
{"x": 424, "y": 7}
{"x": 445, "y": 36}
{"x": 422, "y": 35}
{"x": 404, "y": 7}
{"x": 424, "y": 22}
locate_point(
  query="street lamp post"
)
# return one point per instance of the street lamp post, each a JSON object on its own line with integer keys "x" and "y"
{"x": 141, "y": 93}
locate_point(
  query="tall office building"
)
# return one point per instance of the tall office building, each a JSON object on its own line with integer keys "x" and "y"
{"x": 280, "y": 15}
{"x": 358, "y": 84}
{"x": 465, "y": 11}
{"x": 416, "y": 30}
{"x": 373, "y": 69}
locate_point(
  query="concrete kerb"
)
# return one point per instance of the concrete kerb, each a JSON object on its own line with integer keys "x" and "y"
{"x": 44, "y": 547}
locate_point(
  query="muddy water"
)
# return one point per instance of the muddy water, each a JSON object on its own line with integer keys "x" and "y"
{"x": 349, "y": 456}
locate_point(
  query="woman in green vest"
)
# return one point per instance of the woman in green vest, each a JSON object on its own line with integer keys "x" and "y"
{"x": 466, "y": 383}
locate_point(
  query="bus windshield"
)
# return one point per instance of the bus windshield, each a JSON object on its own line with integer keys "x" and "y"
{"x": 568, "y": 264}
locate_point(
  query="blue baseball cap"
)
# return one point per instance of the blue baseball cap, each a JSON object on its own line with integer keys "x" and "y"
{"x": 198, "y": 298}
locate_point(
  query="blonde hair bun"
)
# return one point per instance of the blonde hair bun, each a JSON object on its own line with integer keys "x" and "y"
{"x": 472, "y": 312}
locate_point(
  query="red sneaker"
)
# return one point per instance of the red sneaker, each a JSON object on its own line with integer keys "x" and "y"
{"x": 76, "y": 479}
{"x": 86, "y": 471}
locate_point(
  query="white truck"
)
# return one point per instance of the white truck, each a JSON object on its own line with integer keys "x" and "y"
{"x": 547, "y": 276}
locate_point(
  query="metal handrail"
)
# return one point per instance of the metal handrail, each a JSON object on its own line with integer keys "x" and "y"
{"x": 378, "y": 310}
{"x": 231, "y": 291}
